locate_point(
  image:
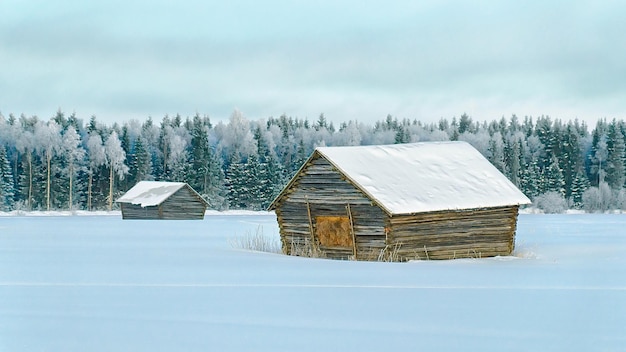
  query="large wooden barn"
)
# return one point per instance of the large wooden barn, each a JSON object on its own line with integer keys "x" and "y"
{"x": 162, "y": 200}
{"x": 439, "y": 200}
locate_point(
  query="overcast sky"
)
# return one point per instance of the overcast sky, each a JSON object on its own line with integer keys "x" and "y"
{"x": 351, "y": 60}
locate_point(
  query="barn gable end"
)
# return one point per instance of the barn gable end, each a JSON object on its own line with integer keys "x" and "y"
{"x": 320, "y": 192}
{"x": 333, "y": 207}
{"x": 184, "y": 203}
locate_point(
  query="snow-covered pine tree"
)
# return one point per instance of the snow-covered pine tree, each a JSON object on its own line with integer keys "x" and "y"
{"x": 140, "y": 163}
{"x": 276, "y": 179}
{"x": 6, "y": 182}
{"x": 198, "y": 177}
{"x": 616, "y": 150}
{"x": 453, "y": 133}
{"x": 513, "y": 158}
{"x": 125, "y": 141}
{"x": 496, "y": 152}
{"x": 11, "y": 133}
{"x": 402, "y": 135}
{"x": 599, "y": 153}
{"x": 150, "y": 142}
{"x": 165, "y": 135}
{"x": 255, "y": 179}
{"x": 216, "y": 193}
{"x": 270, "y": 170}
{"x": 579, "y": 185}
{"x": 59, "y": 188}
{"x": 236, "y": 179}
{"x": 301, "y": 157}
{"x": 532, "y": 182}
{"x": 465, "y": 124}
{"x": 554, "y": 177}
{"x": 204, "y": 170}
{"x": 570, "y": 156}
{"x": 546, "y": 135}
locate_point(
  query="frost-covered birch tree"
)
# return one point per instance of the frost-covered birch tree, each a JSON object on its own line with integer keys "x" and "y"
{"x": 115, "y": 157}
{"x": 48, "y": 141}
{"x": 97, "y": 158}
{"x": 24, "y": 144}
{"x": 74, "y": 153}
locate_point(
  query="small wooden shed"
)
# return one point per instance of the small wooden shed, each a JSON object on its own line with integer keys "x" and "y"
{"x": 162, "y": 200}
{"x": 438, "y": 200}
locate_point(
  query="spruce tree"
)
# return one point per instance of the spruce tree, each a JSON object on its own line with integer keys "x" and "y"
{"x": 6, "y": 183}
{"x": 496, "y": 152}
{"x": 164, "y": 147}
{"x": 216, "y": 193}
{"x": 465, "y": 124}
{"x": 200, "y": 153}
{"x": 255, "y": 180}
{"x": 141, "y": 164}
{"x": 532, "y": 180}
{"x": 205, "y": 174}
{"x": 615, "y": 171}
{"x": 554, "y": 177}
{"x": 579, "y": 185}
{"x": 570, "y": 156}
{"x": 237, "y": 183}
{"x": 598, "y": 154}
{"x": 271, "y": 174}
{"x": 276, "y": 179}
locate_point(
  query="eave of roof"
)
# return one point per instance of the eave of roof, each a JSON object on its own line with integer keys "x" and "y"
{"x": 414, "y": 178}
{"x": 153, "y": 193}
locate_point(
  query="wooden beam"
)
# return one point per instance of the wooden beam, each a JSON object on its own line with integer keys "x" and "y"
{"x": 308, "y": 210}
{"x": 354, "y": 253}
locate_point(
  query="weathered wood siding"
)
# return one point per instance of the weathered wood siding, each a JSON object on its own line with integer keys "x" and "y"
{"x": 327, "y": 193}
{"x": 453, "y": 234}
{"x": 133, "y": 211}
{"x": 182, "y": 205}
{"x": 322, "y": 191}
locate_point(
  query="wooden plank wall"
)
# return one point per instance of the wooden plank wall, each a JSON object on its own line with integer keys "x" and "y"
{"x": 327, "y": 194}
{"x": 133, "y": 211}
{"x": 322, "y": 191}
{"x": 182, "y": 205}
{"x": 456, "y": 234}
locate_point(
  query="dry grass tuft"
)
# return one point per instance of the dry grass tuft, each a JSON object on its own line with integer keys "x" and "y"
{"x": 257, "y": 242}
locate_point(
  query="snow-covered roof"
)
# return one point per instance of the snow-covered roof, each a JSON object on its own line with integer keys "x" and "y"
{"x": 150, "y": 193}
{"x": 424, "y": 177}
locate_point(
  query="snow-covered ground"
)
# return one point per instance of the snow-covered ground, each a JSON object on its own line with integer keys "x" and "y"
{"x": 97, "y": 283}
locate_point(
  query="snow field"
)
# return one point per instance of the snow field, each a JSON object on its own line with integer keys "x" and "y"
{"x": 97, "y": 283}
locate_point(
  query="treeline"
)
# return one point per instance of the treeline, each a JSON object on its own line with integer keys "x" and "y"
{"x": 64, "y": 163}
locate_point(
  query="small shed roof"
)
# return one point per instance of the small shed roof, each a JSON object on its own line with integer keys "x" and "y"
{"x": 424, "y": 177}
{"x": 151, "y": 193}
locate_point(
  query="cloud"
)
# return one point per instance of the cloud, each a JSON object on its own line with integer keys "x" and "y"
{"x": 352, "y": 60}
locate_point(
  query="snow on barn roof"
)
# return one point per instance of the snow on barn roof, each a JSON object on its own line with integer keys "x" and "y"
{"x": 424, "y": 177}
{"x": 150, "y": 193}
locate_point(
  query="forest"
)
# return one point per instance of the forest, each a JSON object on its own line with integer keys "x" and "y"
{"x": 65, "y": 163}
